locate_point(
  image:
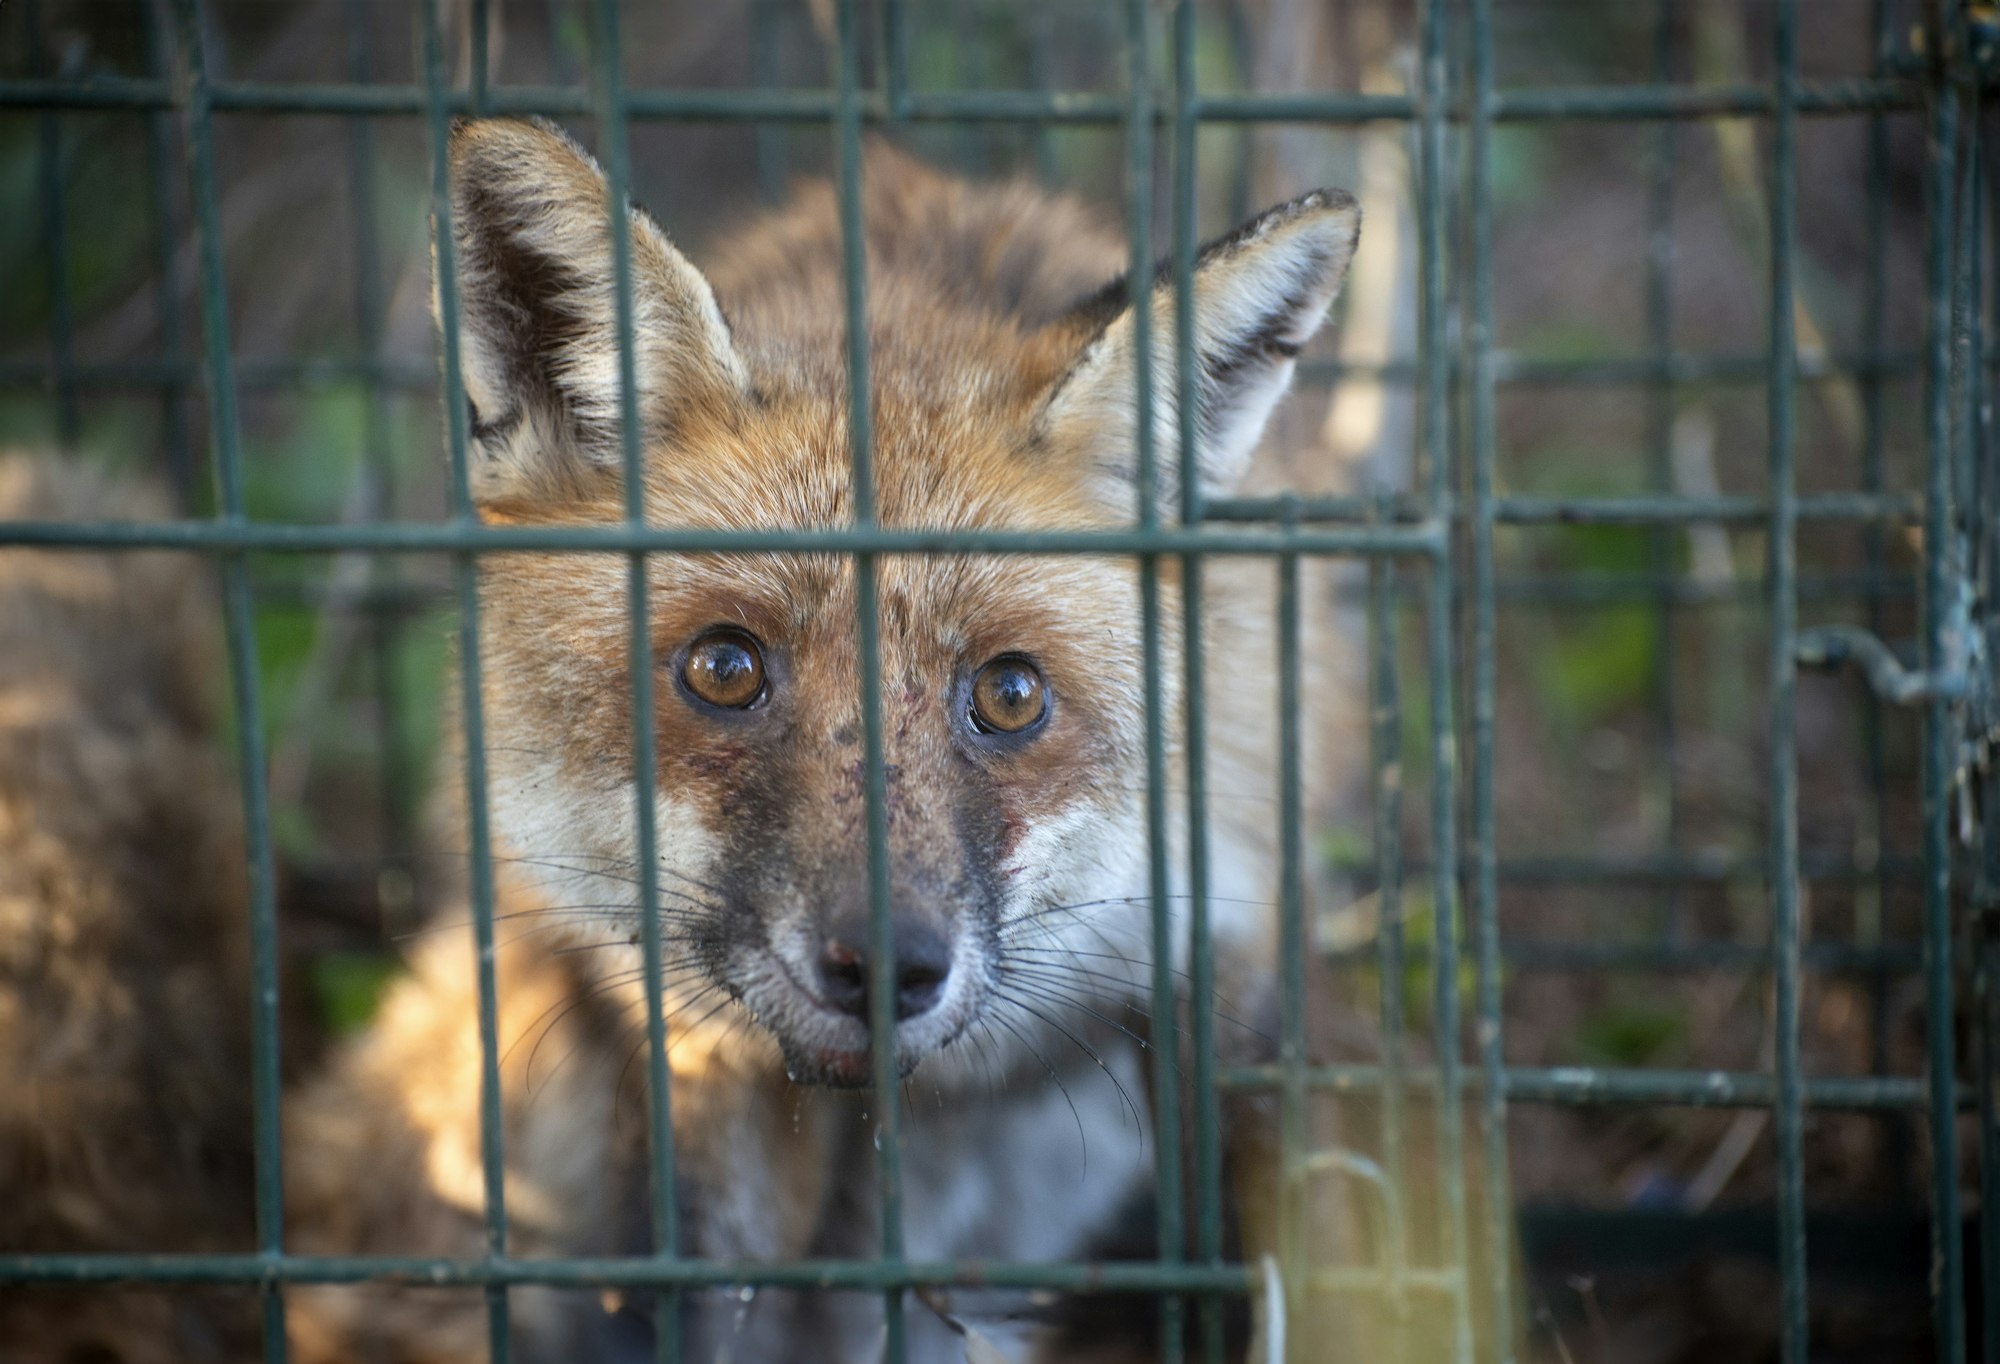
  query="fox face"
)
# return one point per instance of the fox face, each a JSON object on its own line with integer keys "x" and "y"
{"x": 1013, "y": 688}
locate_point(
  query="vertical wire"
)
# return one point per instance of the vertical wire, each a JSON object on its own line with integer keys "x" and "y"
{"x": 384, "y": 625}
{"x": 1243, "y": 166}
{"x": 559, "y": 64}
{"x": 478, "y": 49}
{"x": 1207, "y": 1115}
{"x": 881, "y": 933}
{"x": 240, "y": 627}
{"x": 55, "y": 234}
{"x": 768, "y": 70}
{"x": 1986, "y": 995}
{"x": 1982, "y": 510}
{"x": 1966, "y": 449}
{"x": 1041, "y": 78}
{"x": 1947, "y": 341}
{"x": 613, "y": 134}
{"x": 1385, "y": 740}
{"x": 1783, "y": 776}
{"x": 1441, "y": 663}
{"x": 465, "y": 575}
{"x": 1983, "y": 515}
{"x": 1165, "y": 1040}
{"x": 1874, "y": 558}
{"x": 896, "y": 57}
{"x": 1662, "y": 541}
{"x": 1486, "y": 886}
{"x": 173, "y": 331}
{"x": 968, "y": 49}
{"x": 1293, "y": 946}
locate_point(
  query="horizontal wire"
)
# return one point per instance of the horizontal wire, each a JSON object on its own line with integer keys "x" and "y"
{"x": 1581, "y": 1086}
{"x": 430, "y": 537}
{"x": 1561, "y": 103}
{"x": 1144, "y": 1276}
{"x": 419, "y": 373}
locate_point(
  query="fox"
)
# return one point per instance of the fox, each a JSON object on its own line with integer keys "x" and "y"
{"x": 124, "y": 955}
{"x": 1002, "y": 347}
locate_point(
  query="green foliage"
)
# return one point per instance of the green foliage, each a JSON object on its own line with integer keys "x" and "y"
{"x": 302, "y": 471}
{"x": 1346, "y": 846}
{"x": 1600, "y": 664}
{"x": 348, "y": 987}
{"x": 1588, "y": 665}
{"x": 1420, "y": 977}
{"x": 24, "y": 303}
{"x": 1630, "y": 1033}
{"x": 1519, "y": 167}
{"x": 107, "y": 243}
{"x": 1417, "y": 979}
{"x": 420, "y": 678}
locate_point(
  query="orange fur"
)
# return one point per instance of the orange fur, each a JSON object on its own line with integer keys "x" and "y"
{"x": 1000, "y": 397}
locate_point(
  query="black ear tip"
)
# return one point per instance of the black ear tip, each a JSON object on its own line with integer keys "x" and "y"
{"x": 1334, "y": 208}
{"x": 506, "y": 137}
{"x": 544, "y": 125}
{"x": 1332, "y": 199}
{"x": 470, "y": 132}
{"x": 1329, "y": 202}
{"x": 472, "y": 139}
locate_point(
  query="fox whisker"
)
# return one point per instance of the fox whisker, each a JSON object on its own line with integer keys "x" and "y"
{"x": 1019, "y": 997}
{"x": 1054, "y": 989}
{"x": 1071, "y": 971}
{"x": 1001, "y": 1018}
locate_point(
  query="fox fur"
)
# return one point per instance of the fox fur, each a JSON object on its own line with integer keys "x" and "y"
{"x": 124, "y": 992}
{"x": 1002, "y": 392}
{"x": 1002, "y": 351}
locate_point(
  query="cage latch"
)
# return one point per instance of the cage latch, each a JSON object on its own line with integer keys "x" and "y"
{"x": 1963, "y": 679}
{"x": 1831, "y": 645}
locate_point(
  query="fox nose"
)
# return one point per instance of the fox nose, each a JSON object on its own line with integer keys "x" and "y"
{"x": 923, "y": 964}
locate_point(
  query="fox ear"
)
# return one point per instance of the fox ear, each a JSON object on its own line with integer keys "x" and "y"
{"x": 538, "y": 333}
{"x": 1259, "y": 295}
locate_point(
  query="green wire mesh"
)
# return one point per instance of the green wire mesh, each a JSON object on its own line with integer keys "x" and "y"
{"x": 1430, "y": 557}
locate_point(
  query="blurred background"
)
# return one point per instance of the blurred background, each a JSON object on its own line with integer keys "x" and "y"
{"x": 1631, "y": 298}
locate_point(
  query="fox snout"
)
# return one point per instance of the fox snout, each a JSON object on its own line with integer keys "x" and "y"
{"x": 833, "y": 1047}
{"x": 817, "y": 932}
{"x": 922, "y": 969}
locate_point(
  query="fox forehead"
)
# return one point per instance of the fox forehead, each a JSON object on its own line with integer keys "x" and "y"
{"x": 945, "y": 457}
{"x": 952, "y": 448}
{"x": 786, "y": 464}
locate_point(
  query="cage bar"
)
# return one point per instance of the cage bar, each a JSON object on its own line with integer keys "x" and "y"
{"x": 1638, "y": 103}
{"x": 225, "y": 434}
{"x": 384, "y": 628}
{"x": 1943, "y": 331}
{"x": 1441, "y": 664}
{"x": 1783, "y": 775}
{"x": 465, "y": 579}
{"x": 1491, "y": 1044}
{"x": 1206, "y": 1165}
{"x": 51, "y": 195}
{"x": 1446, "y": 522}
{"x": 609, "y": 79}
{"x": 1660, "y": 550}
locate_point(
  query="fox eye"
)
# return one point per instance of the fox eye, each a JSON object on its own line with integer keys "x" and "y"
{"x": 1008, "y": 696}
{"x": 725, "y": 668}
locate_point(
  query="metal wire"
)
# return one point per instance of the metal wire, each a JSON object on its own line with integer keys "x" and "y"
{"x": 1430, "y": 553}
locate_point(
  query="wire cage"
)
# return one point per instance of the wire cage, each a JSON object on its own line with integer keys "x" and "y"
{"x": 1900, "y": 542}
